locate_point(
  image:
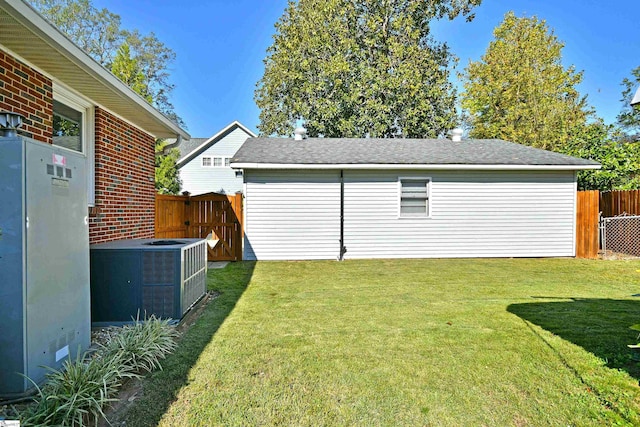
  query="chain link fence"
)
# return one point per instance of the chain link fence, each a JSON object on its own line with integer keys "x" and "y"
{"x": 621, "y": 235}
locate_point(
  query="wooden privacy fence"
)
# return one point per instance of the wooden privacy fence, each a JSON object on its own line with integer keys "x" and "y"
{"x": 614, "y": 203}
{"x": 197, "y": 216}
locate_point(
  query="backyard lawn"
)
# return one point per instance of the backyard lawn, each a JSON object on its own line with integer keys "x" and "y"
{"x": 407, "y": 342}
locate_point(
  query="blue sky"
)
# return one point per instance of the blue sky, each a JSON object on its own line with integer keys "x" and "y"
{"x": 220, "y": 46}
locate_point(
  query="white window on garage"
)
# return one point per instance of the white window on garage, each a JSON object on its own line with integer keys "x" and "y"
{"x": 206, "y": 162}
{"x": 414, "y": 197}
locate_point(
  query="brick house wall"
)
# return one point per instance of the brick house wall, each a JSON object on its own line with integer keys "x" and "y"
{"x": 124, "y": 155}
{"x": 27, "y": 92}
{"x": 125, "y": 188}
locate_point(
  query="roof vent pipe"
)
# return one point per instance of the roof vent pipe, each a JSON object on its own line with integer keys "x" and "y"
{"x": 456, "y": 135}
{"x": 9, "y": 123}
{"x": 299, "y": 134}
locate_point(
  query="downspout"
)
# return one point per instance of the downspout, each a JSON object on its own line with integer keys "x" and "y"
{"x": 343, "y": 248}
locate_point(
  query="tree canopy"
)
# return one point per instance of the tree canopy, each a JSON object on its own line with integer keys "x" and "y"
{"x": 520, "y": 90}
{"x": 355, "y": 68}
{"x": 629, "y": 117}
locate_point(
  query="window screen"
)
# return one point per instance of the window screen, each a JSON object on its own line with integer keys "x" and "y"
{"x": 414, "y": 197}
{"x": 67, "y": 127}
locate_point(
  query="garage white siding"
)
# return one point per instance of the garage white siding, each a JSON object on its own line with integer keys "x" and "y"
{"x": 296, "y": 215}
{"x": 473, "y": 214}
{"x": 292, "y": 215}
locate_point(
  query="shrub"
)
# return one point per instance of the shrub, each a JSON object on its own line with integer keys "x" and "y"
{"x": 143, "y": 344}
{"x": 76, "y": 394}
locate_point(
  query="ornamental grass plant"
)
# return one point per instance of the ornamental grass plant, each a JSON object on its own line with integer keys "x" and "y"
{"x": 78, "y": 393}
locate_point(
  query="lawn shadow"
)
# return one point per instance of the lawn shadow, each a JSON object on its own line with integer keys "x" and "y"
{"x": 161, "y": 388}
{"x": 600, "y": 326}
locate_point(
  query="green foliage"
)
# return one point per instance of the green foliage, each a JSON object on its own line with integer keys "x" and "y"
{"x": 167, "y": 174}
{"x": 629, "y": 117}
{"x": 128, "y": 70}
{"x": 520, "y": 91}
{"x": 359, "y": 68}
{"x": 143, "y": 345}
{"x": 97, "y": 32}
{"x": 606, "y": 145}
{"x": 77, "y": 394}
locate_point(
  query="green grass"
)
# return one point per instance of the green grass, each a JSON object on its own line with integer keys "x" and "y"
{"x": 407, "y": 342}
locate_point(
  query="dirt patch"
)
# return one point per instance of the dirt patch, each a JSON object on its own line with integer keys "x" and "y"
{"x": 614, "y": 256}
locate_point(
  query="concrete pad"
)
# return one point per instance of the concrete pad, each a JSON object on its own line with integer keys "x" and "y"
{"x": 217, "y": 264}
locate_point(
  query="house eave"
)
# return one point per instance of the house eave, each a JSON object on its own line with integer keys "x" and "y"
{"x": 389, "y": 166}
{"x": 25, "y": 33}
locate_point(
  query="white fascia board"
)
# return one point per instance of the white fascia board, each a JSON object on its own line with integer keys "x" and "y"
{"x": 215, "y": 137}
{"x": 389, "y": 166}
{"x": 31, "y": 19}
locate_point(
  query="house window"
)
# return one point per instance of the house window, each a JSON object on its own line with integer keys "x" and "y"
{"x": 68, "y": 127}
{"x": 414, "y": 197}
{"x": 206, "y": 162}
{"x": 73, "y": 129}
{"x": 227, "y": 161}
{"x": 217, "y": 162}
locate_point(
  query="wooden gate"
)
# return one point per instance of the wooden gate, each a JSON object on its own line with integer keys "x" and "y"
{"x": 196, "y": 217}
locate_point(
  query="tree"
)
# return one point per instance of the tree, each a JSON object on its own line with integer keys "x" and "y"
{"x": 607, "y": 145}
{"x": 520, "y": 91}
{"x": 355, "y": 68}
{"x": 128, "y": 70}
{"x": 629, "y": 117}
{"x": 167, "y": 175}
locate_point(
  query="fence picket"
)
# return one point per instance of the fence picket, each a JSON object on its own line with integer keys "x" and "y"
{"x": 197, "y": 216}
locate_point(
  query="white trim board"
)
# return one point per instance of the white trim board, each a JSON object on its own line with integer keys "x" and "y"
{"x": 390, "y": 166}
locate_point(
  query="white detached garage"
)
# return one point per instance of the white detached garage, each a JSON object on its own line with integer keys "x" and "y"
{"x": 325, "y": 198}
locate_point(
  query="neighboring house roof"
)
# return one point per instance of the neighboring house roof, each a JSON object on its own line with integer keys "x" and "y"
{"x": 323, "y": 153}
{"x": 189, "y": 145}
{"x": 192, "y": 148}
{"x": 636, "y": 98}
{"x": 25, "y": 33}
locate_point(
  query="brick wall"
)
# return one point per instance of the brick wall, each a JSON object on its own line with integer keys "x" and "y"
{"x": 125, "y": 189}
{"x": 27, "y": 92}
{"x": 124, "y": 155}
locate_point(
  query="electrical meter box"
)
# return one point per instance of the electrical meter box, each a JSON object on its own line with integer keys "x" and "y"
{"x": 44, "y": 261}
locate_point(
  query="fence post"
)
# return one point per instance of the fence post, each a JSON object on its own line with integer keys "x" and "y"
{"x": 587, "y": 224}
{"x": 238, "y": 209}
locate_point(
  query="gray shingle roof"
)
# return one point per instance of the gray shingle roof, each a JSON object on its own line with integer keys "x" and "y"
{"x": 327, "y": 151}
{"x": 189, "y": 145}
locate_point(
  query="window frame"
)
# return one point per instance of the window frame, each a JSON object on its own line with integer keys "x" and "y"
{"x": 65, "y": 96}
{"x": 209, "y": 158}
{"x": 427, "y": 214}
